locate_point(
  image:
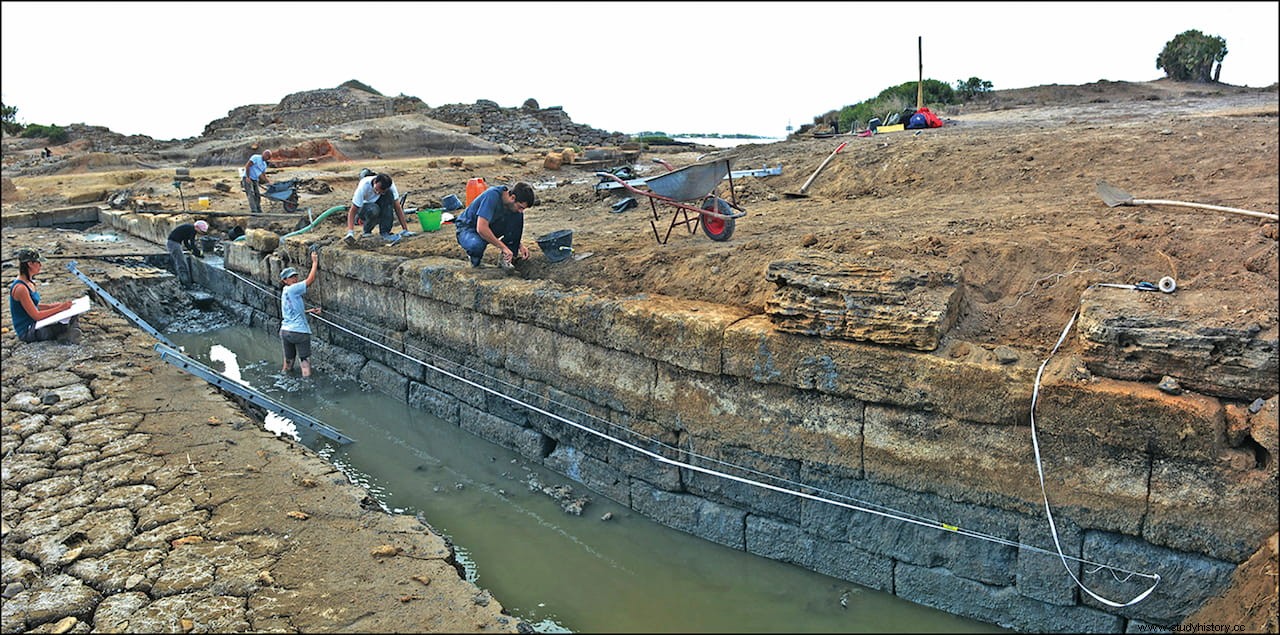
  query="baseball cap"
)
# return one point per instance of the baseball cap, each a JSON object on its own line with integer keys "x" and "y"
{"x": 289, "y": 272}
{"x": 27, "y": 254}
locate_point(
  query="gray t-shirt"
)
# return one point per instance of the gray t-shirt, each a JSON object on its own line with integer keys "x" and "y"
{"x": 292, "y": 310}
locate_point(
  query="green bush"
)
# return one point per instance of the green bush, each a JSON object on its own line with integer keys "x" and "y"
{"x": 55, "y": 134}
{"x": 895, "y": 99}
{"x": 1190, "y": 57}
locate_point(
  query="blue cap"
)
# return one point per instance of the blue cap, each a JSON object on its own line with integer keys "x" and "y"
{"x": 289, "y": 272}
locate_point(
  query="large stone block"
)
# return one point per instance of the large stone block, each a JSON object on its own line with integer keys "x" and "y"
{"x": 572, "y": 365}
{"x": 999, "y": 605}
{"x": 1128, "y": 415}
{"x": 1145, "y": 336}
{"x": 787, "y": 543}
{"x": 524, "y": 441}
{"x": 720, "y": 524}
{"x": 1224, "y": 509}
{"x": 752, "y": 466}
{"x": 1041, "y": 573}
{"x": 773, "y": 419}
{"x": 262, "y": 240}
{"x": 378, "y": 270}
{"x": 385, "y": 380}
{"x": 371, "y": 309}
{"x": 1186, "y": 580}
{"x": 974, "y": 391}
{"x": 838, "y": 296}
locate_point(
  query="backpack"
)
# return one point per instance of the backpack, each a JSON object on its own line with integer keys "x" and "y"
{"x": 917, "y": 121}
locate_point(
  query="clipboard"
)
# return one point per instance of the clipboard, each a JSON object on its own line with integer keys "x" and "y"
{"x": 78, "y": 306}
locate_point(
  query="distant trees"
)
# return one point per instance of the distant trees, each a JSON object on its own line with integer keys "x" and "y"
{"x": 1190, "y": 57}
{"x": 8, "y": 119}
{"x": 972, "y": 87}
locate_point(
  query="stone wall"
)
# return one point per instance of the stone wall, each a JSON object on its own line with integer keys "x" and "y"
{"x": 889, "y": 467}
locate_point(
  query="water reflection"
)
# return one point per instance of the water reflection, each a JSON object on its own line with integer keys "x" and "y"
{"x": 559, "y": 571}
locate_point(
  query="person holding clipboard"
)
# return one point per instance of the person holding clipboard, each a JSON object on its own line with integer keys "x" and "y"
{"x": 26, "y": 309}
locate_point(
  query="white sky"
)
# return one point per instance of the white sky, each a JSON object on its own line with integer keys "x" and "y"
{"x": 166, "y": 69}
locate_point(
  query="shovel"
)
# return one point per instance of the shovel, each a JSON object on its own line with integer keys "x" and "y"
{"x": 805, "y": 188}
{"x": 1113, "y": 196}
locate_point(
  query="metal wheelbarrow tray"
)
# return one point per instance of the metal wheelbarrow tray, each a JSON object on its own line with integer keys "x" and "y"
{"x": 680, "y": 189}
{"x": 284, "y": 191}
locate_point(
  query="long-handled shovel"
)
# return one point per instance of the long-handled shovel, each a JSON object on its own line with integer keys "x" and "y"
{"x": 805, "y": 188}
{"x": 1113, "y": 196}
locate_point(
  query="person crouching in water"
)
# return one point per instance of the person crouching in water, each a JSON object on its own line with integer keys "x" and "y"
{"x": 496, "y": 217}
{"x": 295, "y": 334}
{"x": 25, "y": 307}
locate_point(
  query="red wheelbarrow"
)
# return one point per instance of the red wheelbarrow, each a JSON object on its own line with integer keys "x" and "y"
{"x": 689, "y": 194}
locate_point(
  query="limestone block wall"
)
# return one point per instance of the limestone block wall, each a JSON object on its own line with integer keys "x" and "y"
{"x": 896, "y": 469}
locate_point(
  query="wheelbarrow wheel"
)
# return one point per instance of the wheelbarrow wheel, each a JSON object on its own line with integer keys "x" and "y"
{"x": 716, "y": 228}
{"x": 290, "y": 205}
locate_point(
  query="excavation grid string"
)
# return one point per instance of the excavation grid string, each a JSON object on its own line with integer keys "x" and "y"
{"x": 665, "y": 452}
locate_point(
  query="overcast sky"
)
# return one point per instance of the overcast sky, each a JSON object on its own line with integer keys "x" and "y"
{"x": 166, "y": 69}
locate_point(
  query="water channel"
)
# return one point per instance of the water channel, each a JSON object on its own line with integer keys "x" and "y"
{"x": 559, "y": 571}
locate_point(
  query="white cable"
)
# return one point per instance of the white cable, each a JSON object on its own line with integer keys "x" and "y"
{"x": 1053, "y": 528}
{"x": 864, "y": 506}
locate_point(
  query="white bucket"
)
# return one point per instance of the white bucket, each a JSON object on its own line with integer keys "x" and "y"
{"x": 241, "y": 170}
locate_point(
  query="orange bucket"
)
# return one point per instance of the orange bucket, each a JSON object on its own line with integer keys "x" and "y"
{"x": 475, "y": 187}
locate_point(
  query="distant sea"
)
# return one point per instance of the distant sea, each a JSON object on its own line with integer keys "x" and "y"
{"x": 724, "y": 142}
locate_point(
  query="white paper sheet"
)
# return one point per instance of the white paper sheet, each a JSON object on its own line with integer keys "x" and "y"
{"x": 78, "y": 306}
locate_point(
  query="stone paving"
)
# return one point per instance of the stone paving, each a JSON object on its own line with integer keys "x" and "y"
{"x": 137, "y": 498}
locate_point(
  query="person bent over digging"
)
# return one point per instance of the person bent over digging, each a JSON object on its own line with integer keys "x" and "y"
{"x": 496, "y": 217}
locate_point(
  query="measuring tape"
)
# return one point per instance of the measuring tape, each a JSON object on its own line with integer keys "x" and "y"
{"x": 1166, "y": 285}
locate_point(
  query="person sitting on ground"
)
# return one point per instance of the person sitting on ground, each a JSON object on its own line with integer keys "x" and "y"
{"x": 184, "y": 235}
{"x": 374, "y": 199}
{"x": 255, "y": 173}
{"x": 25, "y": 307}
{"x": 496, "y": 217}
{"x": 295, "y": 334}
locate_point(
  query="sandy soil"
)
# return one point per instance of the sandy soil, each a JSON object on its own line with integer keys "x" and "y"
{"x": 1005, "y": 194}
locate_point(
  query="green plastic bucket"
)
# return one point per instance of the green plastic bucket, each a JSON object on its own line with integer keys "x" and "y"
{"x": 429, "y": 219}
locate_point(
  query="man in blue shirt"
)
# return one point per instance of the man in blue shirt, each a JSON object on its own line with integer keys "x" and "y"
{"x": 496, "y": 217}
{"x": 255, "y": 172}
{"x": 295, "y": 334}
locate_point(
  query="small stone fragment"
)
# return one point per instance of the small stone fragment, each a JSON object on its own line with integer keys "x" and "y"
{"x": 298, "y": 515}
{"x": 1169, "y": 385}
{"x": 385, "y": 551}
{"x": 64, "y": 625}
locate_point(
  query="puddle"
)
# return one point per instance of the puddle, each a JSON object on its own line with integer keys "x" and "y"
{"x": 99, "y": 238}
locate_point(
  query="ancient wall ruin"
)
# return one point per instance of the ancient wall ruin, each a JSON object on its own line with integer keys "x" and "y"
{"x": 886, "y": 466}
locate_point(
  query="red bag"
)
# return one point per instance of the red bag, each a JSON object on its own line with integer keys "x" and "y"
{"x": 929, "y": 117}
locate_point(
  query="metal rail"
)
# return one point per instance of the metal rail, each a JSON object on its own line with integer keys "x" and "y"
{"x": 118, "y": 305}
{"x": 175, "y": 357}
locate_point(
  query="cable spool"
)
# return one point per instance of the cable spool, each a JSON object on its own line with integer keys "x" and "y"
{"x": 1167, "y": 285}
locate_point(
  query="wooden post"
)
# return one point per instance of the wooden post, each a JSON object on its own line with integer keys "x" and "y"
{"x": 920, "y": 82}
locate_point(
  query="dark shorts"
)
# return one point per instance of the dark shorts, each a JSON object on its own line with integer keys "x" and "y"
{"x": 296, "y": 345}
